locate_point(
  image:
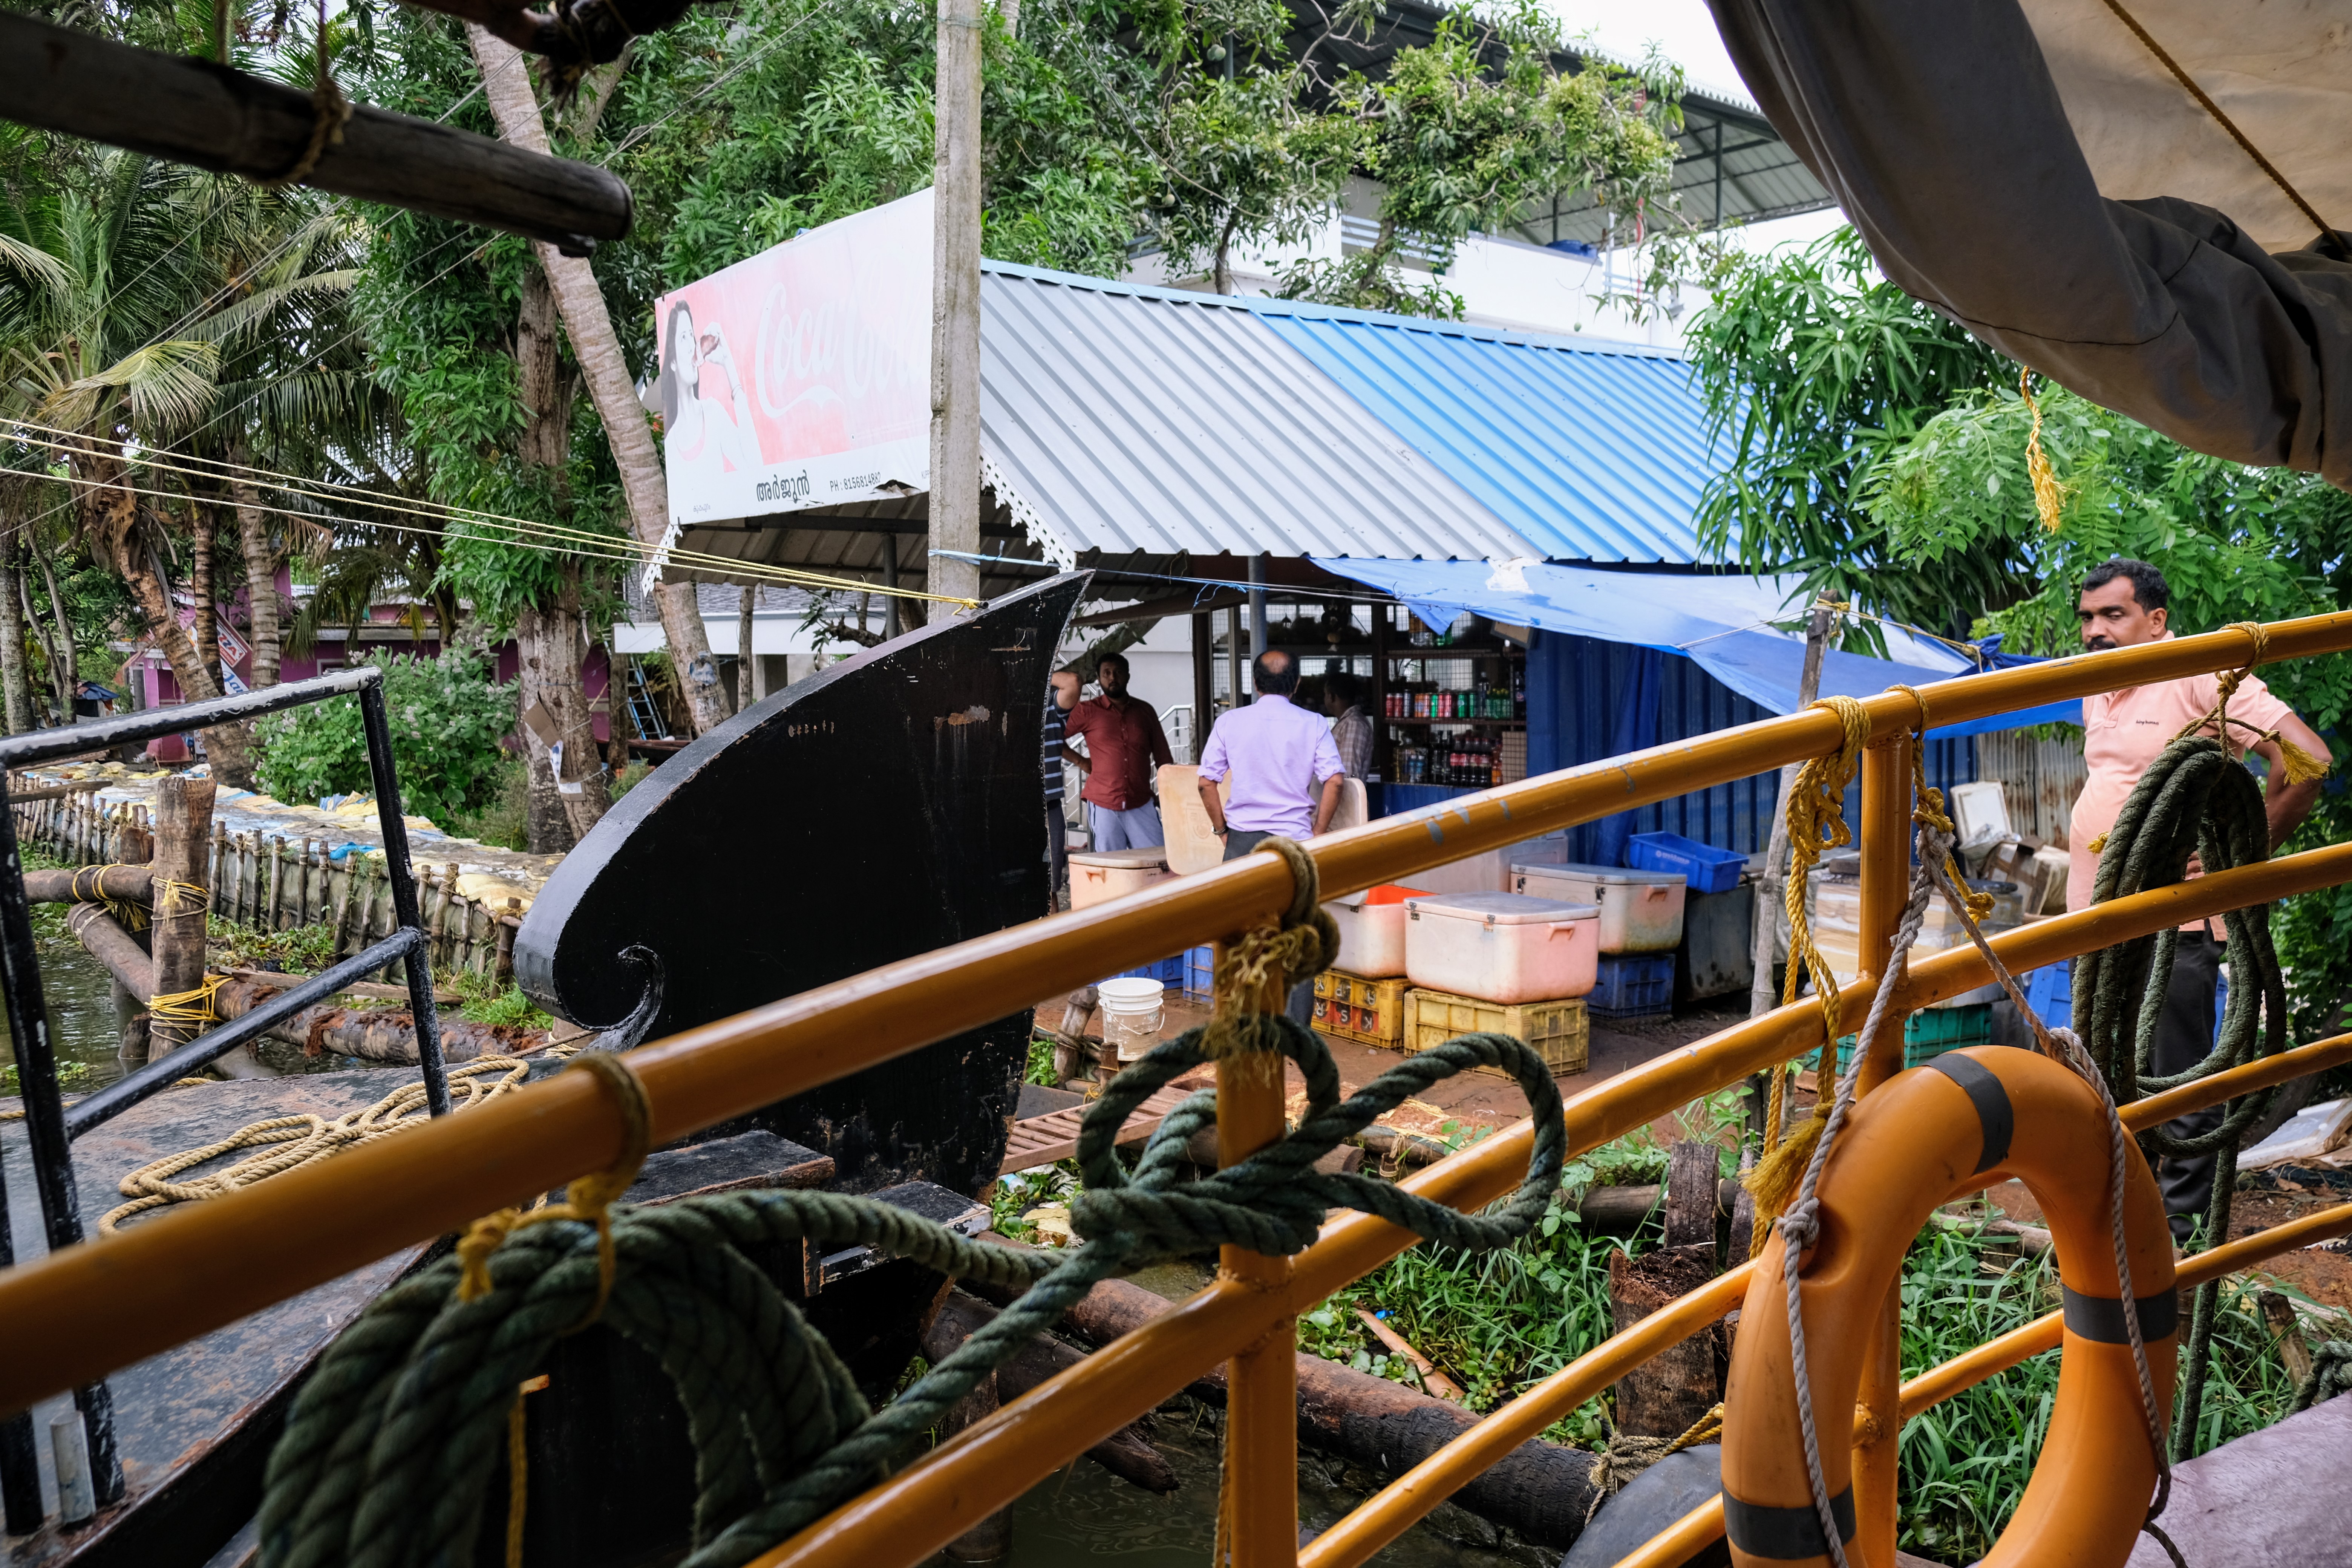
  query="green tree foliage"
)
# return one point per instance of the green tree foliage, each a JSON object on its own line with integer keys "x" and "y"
{"x": 1465, "y": 133}
{"x": 1237, "y": 154}
{"x": 737, "y": 129}
{"x": 1814, "y": 367}
{"x": 447, "y": 717}
{"x": 2236, "y": 544}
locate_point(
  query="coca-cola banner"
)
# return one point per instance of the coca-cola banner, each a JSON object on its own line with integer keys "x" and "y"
{"x": 802, "y": 376}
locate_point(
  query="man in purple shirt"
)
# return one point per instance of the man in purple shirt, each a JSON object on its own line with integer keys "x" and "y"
{"x": 1285, "y": 777}
{"x": 1285, "y": 768}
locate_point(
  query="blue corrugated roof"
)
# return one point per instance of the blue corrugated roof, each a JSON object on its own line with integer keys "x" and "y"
{"x": 1596, "y": 452}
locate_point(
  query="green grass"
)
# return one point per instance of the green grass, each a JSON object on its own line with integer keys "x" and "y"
{"x": 299, "y": 950}
{"x": 1040, "y": 1070}
{"x": 1965, "y": 1462}
{"x": 484, "y": 1001}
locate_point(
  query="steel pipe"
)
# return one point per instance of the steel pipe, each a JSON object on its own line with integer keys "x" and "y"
{"x": 931, "y": 1501}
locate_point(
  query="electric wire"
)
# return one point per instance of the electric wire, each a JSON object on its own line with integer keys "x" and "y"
{"x": 355, "y": 495}
{"x": 619, "y": 549}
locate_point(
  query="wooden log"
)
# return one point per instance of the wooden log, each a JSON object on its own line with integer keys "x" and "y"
{"x": 1126, "y": 1453}
{"x": 507, "y": 926}
{"x": 1693, "y": 1171}
{"x": 53, "y": 792}
{"x": 989, "y": 1541}
{"x": 1665, "y": 1396}
{"x": 122, "y": 884}
{"x": 374, "y": 1034}
{"x": 217, "y": 880}
{"x": 194, "y": 111}
{"x": 2278, "y": 1315}
{"x": 1540, "y": 1489}
{"x": 183, "y": 819}
{"x": 108, "y": 942}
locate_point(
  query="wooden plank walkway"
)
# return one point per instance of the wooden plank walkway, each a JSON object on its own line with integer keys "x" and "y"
{"x": 1042, "y": 1140}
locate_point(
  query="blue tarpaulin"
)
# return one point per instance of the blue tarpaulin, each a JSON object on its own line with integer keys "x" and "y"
{"x": 1724, "y": 624}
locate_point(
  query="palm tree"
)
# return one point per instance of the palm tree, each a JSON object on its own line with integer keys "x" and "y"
{"x": 136, "y": 293}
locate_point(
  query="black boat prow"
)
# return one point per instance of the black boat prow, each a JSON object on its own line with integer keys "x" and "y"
{"x": 882, "y": 809}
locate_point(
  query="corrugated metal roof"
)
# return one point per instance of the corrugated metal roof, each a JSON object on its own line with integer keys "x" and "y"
{"x": 1595, "y": 451}
{"x": 1117, "y": 418}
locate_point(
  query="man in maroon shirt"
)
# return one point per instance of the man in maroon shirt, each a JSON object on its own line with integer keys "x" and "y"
{"x": 1123, "y": 742}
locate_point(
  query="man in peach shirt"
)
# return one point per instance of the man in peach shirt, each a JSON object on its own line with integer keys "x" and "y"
{"x": 2123, "y": 603}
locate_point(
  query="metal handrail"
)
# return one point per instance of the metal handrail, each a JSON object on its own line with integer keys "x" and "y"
{"x": 937, "y": 1497}
{"x": 234, "y": 1254}
{"x": 50, "y": 1126}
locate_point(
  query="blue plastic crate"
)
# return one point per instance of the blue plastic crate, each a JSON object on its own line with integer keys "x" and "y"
{"x": 2051, "y": 991}
{"x": 1632, "y": 985}
{"x": 1201, "y": 974}
{"x": 1167, "y": 970}
{"x": 1707, "y": 869}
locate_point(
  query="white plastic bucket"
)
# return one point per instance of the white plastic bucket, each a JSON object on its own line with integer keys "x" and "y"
{"x": 1134, "y": 1009}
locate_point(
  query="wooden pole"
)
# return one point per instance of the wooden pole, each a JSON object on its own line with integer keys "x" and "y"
{"x": 273, "y": 914}
{"x": 337, "y": 900}
{"x": 194, "y": 111}
{"x": 955, "y": 306}
{"x": 745, "y": 660}
{"x": 506, "y": 925}
{"x": 183, "y": 819}
{"x": 1884, "y": 833}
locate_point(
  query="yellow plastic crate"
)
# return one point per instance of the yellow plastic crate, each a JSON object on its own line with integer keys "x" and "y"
{"x": 1556, "y": 1031}
{"x": 1369, "y": 1012}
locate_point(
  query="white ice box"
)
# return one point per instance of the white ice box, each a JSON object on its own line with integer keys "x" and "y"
{"x": 1099, "y": 876}
{"x": 1641, "y": 911}
{"x": 1372, "y": 930}
{"x": 1501, "y": 947}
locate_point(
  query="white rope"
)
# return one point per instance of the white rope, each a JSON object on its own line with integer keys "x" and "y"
{"x": 1800, "y": 1225}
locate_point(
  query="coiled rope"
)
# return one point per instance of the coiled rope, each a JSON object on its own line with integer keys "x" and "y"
{"x": 387, "y": 1451}
{"x": 2195, "y": 799}
{"x": 284, "y": 1144}
{"x": 1800, "y": 1227}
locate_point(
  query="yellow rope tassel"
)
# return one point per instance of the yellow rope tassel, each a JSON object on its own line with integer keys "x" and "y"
{"x": 2048, "y": 495}
{"x": 1816, "y": 809}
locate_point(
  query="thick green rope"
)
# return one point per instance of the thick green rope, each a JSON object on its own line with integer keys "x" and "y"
{"x": 2193, "y": 799}
{"x": 388, "y": 1452}
{"x": 2331, "y": 1374}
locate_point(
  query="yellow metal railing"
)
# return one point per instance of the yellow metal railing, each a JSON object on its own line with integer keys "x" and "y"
{"x": 86, "y": 1307}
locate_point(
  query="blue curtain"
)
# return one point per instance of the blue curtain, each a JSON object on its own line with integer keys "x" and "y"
{"x": 1633, "y": 727}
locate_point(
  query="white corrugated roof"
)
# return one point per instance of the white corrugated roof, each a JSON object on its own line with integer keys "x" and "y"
{"x": 1119, "y": 419}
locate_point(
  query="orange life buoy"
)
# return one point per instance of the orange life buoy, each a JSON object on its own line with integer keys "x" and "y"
{"x": 1963, "y": 1121}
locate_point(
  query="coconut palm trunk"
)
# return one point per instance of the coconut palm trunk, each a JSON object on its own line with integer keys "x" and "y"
{"x": 506, "y": 87}
{"x": 263, "y": 623}
{"x": 548, "y": 636}
{"x": 109, "y": 519}
{"x": 15, "y": 688}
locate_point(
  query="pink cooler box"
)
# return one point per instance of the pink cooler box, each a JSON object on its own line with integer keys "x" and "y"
{"x": 1372, "y": 930}
{"x": 1502, "y": 947}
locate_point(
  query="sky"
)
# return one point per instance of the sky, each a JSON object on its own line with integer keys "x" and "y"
{"x": 1683, "y": 30}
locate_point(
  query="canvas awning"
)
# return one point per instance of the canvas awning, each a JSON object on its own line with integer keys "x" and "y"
{"x": 2038, "y": 173}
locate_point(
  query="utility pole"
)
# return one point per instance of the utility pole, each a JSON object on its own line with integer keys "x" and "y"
{"x": 955, "y": 306}
{"x": 1257, "y": 604}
